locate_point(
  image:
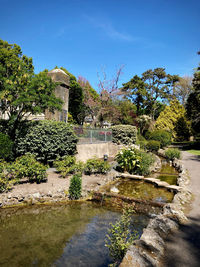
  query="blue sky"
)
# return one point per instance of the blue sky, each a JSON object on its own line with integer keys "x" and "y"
{"x": 85, "y": 35}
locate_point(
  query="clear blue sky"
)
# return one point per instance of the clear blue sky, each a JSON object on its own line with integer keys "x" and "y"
{"x": 84, "y": 35}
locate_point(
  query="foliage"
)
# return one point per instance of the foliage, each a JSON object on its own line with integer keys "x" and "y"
{"x": 47, "y": 140}
{"x": 128, "y": 160}
{"x": 124, "y": 134}
{"x": 120, "y": 236}
{"x": 147, "y": 91}
{"x": 75, "y": 187}
{"x": 144, "y": 122}
{"x": 147, "y": 159}
{"x": 193, "y": 103}
{"x": 6, "y": 146}
{"x": 182, "y": 89}
{"x": 5, "y": 183}
{"x": 172, "y": 153}
{"x": 76, "y": 98}
{"x": 173, "y": 119}
{"x": 162, "y": 136}
{"x": 141, "y": 141}
{"x": 21, "y": 91}
{"x": 68, "y": 165}
{"x": 153, "y": 145}
{"x": 27, "y": 166}
{"x": 96, "y": 166}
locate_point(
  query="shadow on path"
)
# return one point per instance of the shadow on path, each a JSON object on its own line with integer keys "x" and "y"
{"x": 183, "y": 246}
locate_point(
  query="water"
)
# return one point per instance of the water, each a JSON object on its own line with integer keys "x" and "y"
{"x": 141, "y": 190}
{"x": 67, "y": 235}
{"x": 167, "y": 173}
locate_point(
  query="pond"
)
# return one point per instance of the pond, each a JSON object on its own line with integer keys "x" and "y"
{"x": 58, "y": 235}
{"x": 140, "y": 190}
{"x": 167, "y": 173}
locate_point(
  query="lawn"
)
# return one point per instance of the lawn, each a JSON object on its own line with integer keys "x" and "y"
{"x": 194, "y": 152}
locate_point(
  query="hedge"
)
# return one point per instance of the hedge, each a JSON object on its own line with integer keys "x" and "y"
{"x": 124, "y": 134}
{"x": 47, "y": 140}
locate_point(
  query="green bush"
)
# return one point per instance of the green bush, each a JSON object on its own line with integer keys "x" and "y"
{"x": 47, "y": 140}
{"x": 134, "y": 161}
{"x": 96, "y": 166}
{"x": 153, "y": 145}
{"x": 141, "y": 141}
{"x": 5, "y": 183}
{"x": 27, "y": 166}
{"x": 124, "y": 134}
{"x": 162, "y": 136}
{"x": 172, "y": 153}
{"x": 6, "y": 146}
{"x": 69, "y": 165}
{"x": 120, "y": 237}
{"x": 75, "y": 187}
{"x": 128, "y": 161}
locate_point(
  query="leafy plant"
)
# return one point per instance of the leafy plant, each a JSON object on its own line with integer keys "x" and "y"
{"x": 5, "y": 183}
{"x": 75, "y": 187}
{"x": 153, "y": 145}
{"x": 172, "y": 153}
{"x": 147, "y": 159}
{"x": 5, "y": 146}
{"x": 128, "y": 160}
{"x": 47, "y": 140}
{"x": 96, "y": 166}
{"x": 164, "y": 137}
{"x": 68, "y": 165}
{"x": 124, "y": 134}
{"x": 120, "y": 237}
{"x": 27, "y": 166}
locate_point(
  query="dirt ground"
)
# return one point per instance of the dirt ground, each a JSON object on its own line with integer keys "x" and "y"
{"x": 55, "y": 184}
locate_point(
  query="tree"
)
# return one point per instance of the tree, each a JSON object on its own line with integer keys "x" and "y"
{"x": 21, "y": 91}
{"x": 148, "y": 91}
{"x": 108, "y": 92}
{"x": 193, "y": 103}
{"x": 75, "y": 98}
{"x": 91, "y": 99}
{"x": 182, "y": 89}
{"x": 173, "y": 119}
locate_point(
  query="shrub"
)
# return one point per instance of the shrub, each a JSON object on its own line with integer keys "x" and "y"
{"x": 75, "y": 187}
{"x": 153, "y": 145}
{"x": 68, "y": 165}
{"x": 124, "y": 134}
{"x": 162, "y": 136}
{"x": 47, "y": 140}
{"x": 172, "y": 153}
{"x": 147, "y": 159}
{"x": 120, "y": 237}
{"x": 134, "y": 161}
{"x": 5, "y": 183}
{"x": 27, "y": 166}
{"x": 96, "y": 166}
{"x": 128, "y": 160}
{"x": 141, "y": 141}
{"x": 5, "y": 146}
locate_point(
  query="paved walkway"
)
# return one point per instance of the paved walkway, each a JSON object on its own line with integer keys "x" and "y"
{"x": 183, "y": 247}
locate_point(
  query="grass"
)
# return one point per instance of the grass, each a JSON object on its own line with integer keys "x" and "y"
{"x": 194, "y": 152}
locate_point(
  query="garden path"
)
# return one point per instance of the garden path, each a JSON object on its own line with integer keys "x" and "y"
{"x": 183, "y": 246}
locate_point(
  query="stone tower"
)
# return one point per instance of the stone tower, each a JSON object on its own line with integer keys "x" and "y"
{"x": 61, "y": 91}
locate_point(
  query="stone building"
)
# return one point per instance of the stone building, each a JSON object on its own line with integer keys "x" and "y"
{"x": 61, "y": 91}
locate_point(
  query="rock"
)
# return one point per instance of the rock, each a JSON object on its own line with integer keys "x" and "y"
{"x": 36, "y": 195}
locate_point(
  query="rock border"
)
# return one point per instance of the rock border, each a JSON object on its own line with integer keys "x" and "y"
{"x": 149, "y": 249}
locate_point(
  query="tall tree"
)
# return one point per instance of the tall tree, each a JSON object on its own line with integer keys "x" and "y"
{"x": 147, "y": 91}
{"x": 91, "y": 99}
{"x": 21, "y": 91}
{"x": 182, "y": 89}
{"x": 193, "y": 102}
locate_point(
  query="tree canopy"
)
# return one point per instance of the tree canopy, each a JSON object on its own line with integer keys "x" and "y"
{"x": 150, "y": 90}
{"x": 21, "y": 91}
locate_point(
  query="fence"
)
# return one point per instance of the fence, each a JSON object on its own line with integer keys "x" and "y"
{"x": 93, "y": 136}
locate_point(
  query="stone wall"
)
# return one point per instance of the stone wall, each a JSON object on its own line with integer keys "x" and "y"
{"x": 148, "y": 250}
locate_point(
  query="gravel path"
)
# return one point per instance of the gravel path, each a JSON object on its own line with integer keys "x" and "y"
{"x": 183, "y": 247}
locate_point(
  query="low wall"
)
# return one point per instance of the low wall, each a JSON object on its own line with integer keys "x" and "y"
{"x": 88, "y": 151}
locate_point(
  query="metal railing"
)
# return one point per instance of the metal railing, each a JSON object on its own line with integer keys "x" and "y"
{"x": 93, "y": 135}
